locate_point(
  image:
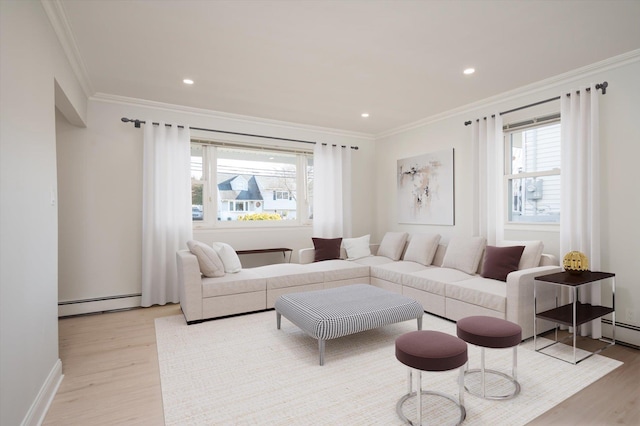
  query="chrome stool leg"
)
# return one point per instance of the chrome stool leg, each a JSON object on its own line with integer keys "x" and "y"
{"x": 483, "y": 371}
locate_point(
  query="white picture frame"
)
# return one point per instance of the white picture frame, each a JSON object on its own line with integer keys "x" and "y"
{"x": 426, "y": 189}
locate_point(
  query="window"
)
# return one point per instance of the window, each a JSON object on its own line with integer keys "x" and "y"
{"x": 237, "y": 184}
{"x": 532, "y": 175}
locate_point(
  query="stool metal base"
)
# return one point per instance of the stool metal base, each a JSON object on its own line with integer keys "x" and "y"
{"x": 479, "y": 393}
{"x": 405, "y": 398}
{"x": 484, "y": 371}
{"x": 419, "y": 393}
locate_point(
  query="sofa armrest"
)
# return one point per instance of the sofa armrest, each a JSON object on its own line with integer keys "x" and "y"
{"x": 190, "y": 285}
{"x": 520, "y": 296}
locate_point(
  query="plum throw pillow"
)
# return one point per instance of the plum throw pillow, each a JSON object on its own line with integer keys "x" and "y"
{"x": 500, "y": 261}
{"x": 531, "y": 255}
{"x": 229, "y": 257}
{"x": 357, "y": 248}
{"x": 422, "y": 248}
{"x": 464, "y": 254}
{"x": 326, "y": 248}
{"x": 392, "y": 245}
{"x": 210, "y": 263}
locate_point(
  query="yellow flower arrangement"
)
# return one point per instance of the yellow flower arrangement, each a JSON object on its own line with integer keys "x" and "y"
{"x": 260, "y": 216}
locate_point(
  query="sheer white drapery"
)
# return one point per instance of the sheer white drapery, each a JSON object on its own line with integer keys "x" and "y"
{"x": 488, "y": 166}
{"x": 166, "y": 210}
{"x": 580, "y": 186}
{"x": 331, "y": 191}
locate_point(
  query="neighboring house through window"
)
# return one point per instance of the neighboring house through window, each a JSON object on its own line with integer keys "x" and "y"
{"x": 532, "y": 173}
{"x": 244, "y": 184}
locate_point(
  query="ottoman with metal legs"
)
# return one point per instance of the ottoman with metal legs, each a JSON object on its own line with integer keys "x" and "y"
{"x": 489, "y": 332}
{"x": 430, "y": 351}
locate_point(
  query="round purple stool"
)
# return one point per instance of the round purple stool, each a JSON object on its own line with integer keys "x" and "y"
{"x": 489, "y": 332}
{"x": 428, "y": 350}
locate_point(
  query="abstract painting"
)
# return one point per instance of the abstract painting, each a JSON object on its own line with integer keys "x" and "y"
{"x": 425, "y": 189}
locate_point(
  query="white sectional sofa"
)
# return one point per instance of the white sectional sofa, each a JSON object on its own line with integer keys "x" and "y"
{"x": 444, "y": 285}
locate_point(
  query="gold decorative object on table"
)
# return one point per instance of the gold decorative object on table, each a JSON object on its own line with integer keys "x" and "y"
{"x": 575, "y": 262}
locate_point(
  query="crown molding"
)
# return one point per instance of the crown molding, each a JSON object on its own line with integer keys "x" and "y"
{"x": 530, "y": 89}
{"x": 245, "y": 119}
{"x": 58, "y": 18}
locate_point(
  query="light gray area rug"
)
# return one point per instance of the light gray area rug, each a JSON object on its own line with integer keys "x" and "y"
{"x": 243, "y": 371}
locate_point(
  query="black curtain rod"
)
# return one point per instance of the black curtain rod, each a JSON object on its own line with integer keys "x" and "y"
{"x": 602, "y": 86}
{"x": 137, "y": 124}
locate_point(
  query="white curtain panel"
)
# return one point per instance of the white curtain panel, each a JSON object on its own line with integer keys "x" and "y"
{"x": 166, "y": 209}
{"x": 488, "y": 169}
{"x": 331, "y": 191}
{"x": 580, "y": 183}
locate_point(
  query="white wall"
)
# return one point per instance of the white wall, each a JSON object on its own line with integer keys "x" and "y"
{"x": 31, "y": 62}
{"x": 100, "y": 186}
{"x": 620, "y": 150}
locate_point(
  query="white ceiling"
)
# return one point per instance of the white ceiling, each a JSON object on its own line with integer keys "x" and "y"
{"x": 324, "y": 62}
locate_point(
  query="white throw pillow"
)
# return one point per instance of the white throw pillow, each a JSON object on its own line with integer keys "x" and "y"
{"x": 392, "y": 245}
{"x": 208, "y": 260}
{"x": 229, "y": 257}
{"x": 531, "y": 255}
{"x": 422, "y": 248}
{"x": 357, "y": 248}
{"x": 464, "y": 254}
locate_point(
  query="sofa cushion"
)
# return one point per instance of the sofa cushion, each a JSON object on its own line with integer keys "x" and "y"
{"x": 282, "y": 275}
{"x": 393, "y": 271}
{"x": 373, "y": 260}
{"x": 208, "y": 260}
{"x": 336, "y": 270}
{"x": 244, "y": 281}
{"x": 433, "y": 279}
{"x": 501, "y": 261}
{"x": 484, "y": 292}
{"x": 422, "y": 248}
{"x": 464, "y": 254}
{"x": 357, "y": 248}
{"x": 392, "y": 245}
{"x": 326, "y": 248}
{"x": 531, "y": 255}
{"x": 229, "y": 257}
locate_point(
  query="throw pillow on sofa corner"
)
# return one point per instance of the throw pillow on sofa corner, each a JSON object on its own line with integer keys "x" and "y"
{"x": 531, "y": 254}
{"x": 210, "y": 263}
{"x": 464, "y": 254}
{"x": 422, "y": 248}
{"x": 357, "y": 248}
{"x": 501, "y": 261}
{"x": 392, "y": 245}
{"x": 326, "y": 248}
{"x": 229, "y": 257}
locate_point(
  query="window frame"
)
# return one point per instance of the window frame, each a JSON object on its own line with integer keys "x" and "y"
{"x": 509, "y": 176}
{"x": 210, "y": 193}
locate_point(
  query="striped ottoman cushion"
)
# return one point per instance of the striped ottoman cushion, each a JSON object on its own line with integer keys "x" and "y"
{"x": 336, "y": 312}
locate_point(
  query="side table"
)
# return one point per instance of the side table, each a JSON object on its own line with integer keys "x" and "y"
{"x": 574, "y": 313}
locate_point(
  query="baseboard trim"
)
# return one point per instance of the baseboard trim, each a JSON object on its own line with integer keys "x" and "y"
{"x": 38, "y": 410}
{"x": 626, "y": 334}
{"x": 98, "y": 305}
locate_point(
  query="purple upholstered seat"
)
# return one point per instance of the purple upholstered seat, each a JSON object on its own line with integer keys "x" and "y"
{"x": 489, "y": 332}
{"x": 431, "y": 350}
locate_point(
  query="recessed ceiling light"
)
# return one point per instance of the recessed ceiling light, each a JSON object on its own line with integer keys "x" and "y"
{"x": 187, "y": 81}
{"x": 469, "y": 71}
{"x": 364, "y": 115}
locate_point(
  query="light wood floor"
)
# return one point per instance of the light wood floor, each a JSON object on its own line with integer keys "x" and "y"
{"x": 111, "y": 377}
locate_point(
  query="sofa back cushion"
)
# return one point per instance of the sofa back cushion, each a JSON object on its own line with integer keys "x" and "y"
{"x": 392, "y": 245}
{"x": 326, "y": 248}
{"x": 357, "y": 248}
{"x": 464, "y": 254}
{"x": 501, "y": 261}
{"x": 422, "y": 248}
{"x": 229, "y": 257}
{"x": 531, "y": 255}
{"x": 210, "y": 263}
